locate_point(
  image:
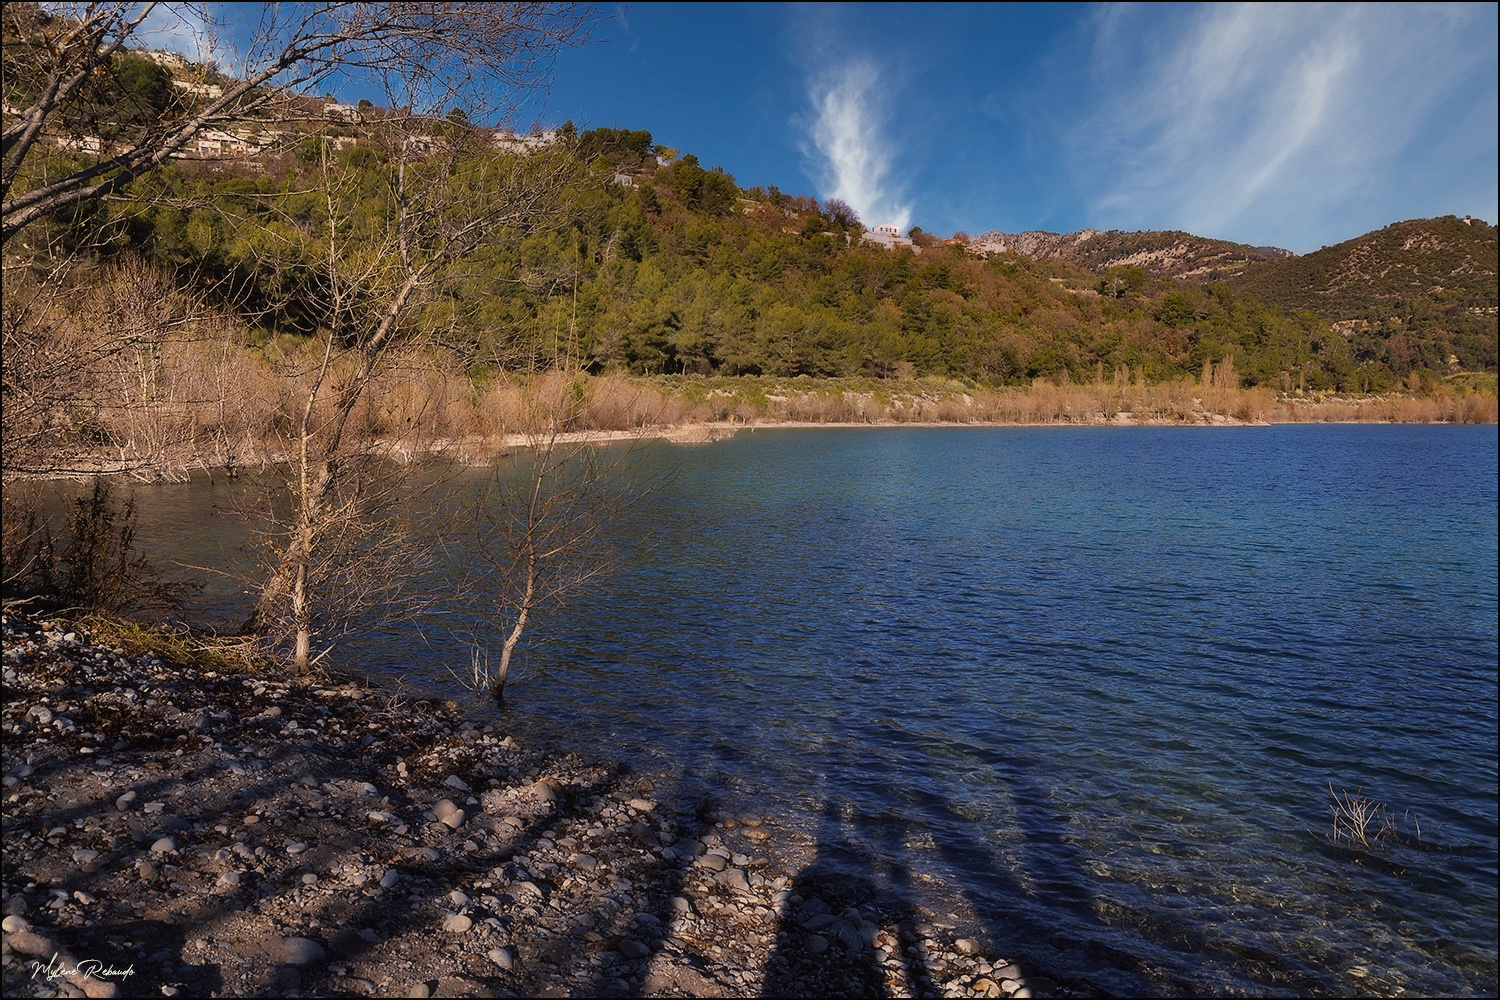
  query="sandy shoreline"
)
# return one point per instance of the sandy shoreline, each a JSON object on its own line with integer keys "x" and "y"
{"x": 485, "y": 450}
{"x": 216, "y": 833}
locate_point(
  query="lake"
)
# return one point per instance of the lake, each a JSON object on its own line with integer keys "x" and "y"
{"x": 1102, "y": 685}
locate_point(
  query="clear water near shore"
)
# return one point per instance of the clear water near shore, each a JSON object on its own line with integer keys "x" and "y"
{"x": 1095, "y": 682}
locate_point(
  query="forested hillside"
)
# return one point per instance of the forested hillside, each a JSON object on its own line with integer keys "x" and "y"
{"x": 673, "y": 268}
{"x": 1413, "y": 289}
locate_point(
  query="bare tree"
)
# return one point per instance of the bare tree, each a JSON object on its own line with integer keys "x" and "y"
{"x": 543, "y": 522}
{"x": 375, "y": 263}
{"x": 378, "y": 264}
{"x": 421, "y": 53}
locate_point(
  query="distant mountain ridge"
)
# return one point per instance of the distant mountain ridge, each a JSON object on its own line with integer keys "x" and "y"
{"x": 1449, "y": 261}
{"x": 1172, "y": 254}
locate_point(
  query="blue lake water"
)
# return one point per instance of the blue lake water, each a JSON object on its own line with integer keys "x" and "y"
{"x": 1096, "y": 683}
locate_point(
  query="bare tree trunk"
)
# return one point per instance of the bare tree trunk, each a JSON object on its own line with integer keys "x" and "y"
{"x": 527, "y": 602}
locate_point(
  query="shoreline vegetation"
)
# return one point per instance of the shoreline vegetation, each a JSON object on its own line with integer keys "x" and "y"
{"x": 423, "y": 412}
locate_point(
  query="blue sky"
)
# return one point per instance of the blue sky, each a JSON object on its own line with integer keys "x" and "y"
{"x": 1294, "y": 125}
{"x": 1289, "y": 125}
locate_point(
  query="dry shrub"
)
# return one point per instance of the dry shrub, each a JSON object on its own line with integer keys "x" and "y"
{"x": 821, "y": 408}
{"x": 617, "y": 403}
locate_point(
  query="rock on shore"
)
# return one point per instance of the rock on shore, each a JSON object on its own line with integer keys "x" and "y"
{"x": 172, "y": 831}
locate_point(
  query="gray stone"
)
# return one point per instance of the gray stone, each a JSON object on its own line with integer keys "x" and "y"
{"x": 633, "y": 949}
{"x": 967, "y": 946}
{"x": 585, "y": 862}
{"x": 389, "y": 879}
{"x": 816, "y": 944}
{"x": 457, "y": 923}
{"x": 734, "y": 878}
{"x": 714, "y": 862}
{"x": 124, "y": 801}
{"x": 505, "y": 958}
{"x": 300, "y": 951}
{"x": 454, "y": 781}
{"x": 164, "y": 846}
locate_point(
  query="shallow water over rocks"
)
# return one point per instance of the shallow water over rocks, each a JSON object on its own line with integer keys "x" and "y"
{"x": 1100, "y": 685}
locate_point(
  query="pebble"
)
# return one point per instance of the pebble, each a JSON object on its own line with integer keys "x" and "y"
{"x": 457, "y": 923}
{"x": 734, "y": 878}
{"x": 300, "y": 951}
{"x": 448, "y": 814}
{"x": 505, "y": 958}
{"x": 166, "y": 845}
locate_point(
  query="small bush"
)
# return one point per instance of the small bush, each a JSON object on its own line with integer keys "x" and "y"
{"x": 95, "y": 566}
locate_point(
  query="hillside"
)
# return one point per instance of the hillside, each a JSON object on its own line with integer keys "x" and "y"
{"x": 1443, "y": 260}
{"x": 627, "y": 257}
{"x": 1171, "y": 254}
{"x": 1412, "y": 285}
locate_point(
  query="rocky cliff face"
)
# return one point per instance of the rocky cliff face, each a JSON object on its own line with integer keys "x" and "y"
{"x": 1173, "y": 254}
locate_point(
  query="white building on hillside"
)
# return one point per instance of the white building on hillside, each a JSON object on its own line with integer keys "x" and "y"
{"x": 887, "y": 235}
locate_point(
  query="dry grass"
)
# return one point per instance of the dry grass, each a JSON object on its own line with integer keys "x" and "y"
{"x": 157, "y": 385}
{"x": 1362, "y": 822}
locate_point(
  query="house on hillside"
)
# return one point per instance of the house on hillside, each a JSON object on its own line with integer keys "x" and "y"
{"x": 510, "y": 142}
{"x": 346, "y": 113}
{"x": 216, "y": 144}
{"x": 212, "y": 91}
{"x": 887, "y": 235}
{"x": 171, "y": 60}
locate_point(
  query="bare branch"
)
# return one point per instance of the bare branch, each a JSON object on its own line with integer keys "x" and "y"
{"x": 425, "y": 55}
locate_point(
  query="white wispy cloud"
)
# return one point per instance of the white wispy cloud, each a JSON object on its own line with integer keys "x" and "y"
{"x": 181, "y": 28}
{"x": 1264, "y": 122}
{"x": 851, "y": 143}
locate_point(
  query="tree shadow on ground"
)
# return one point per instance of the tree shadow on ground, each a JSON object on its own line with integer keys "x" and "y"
{"x": 830, "y": 925}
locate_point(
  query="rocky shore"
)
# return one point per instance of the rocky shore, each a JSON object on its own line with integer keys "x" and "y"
{"x": 172, "y": 830}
